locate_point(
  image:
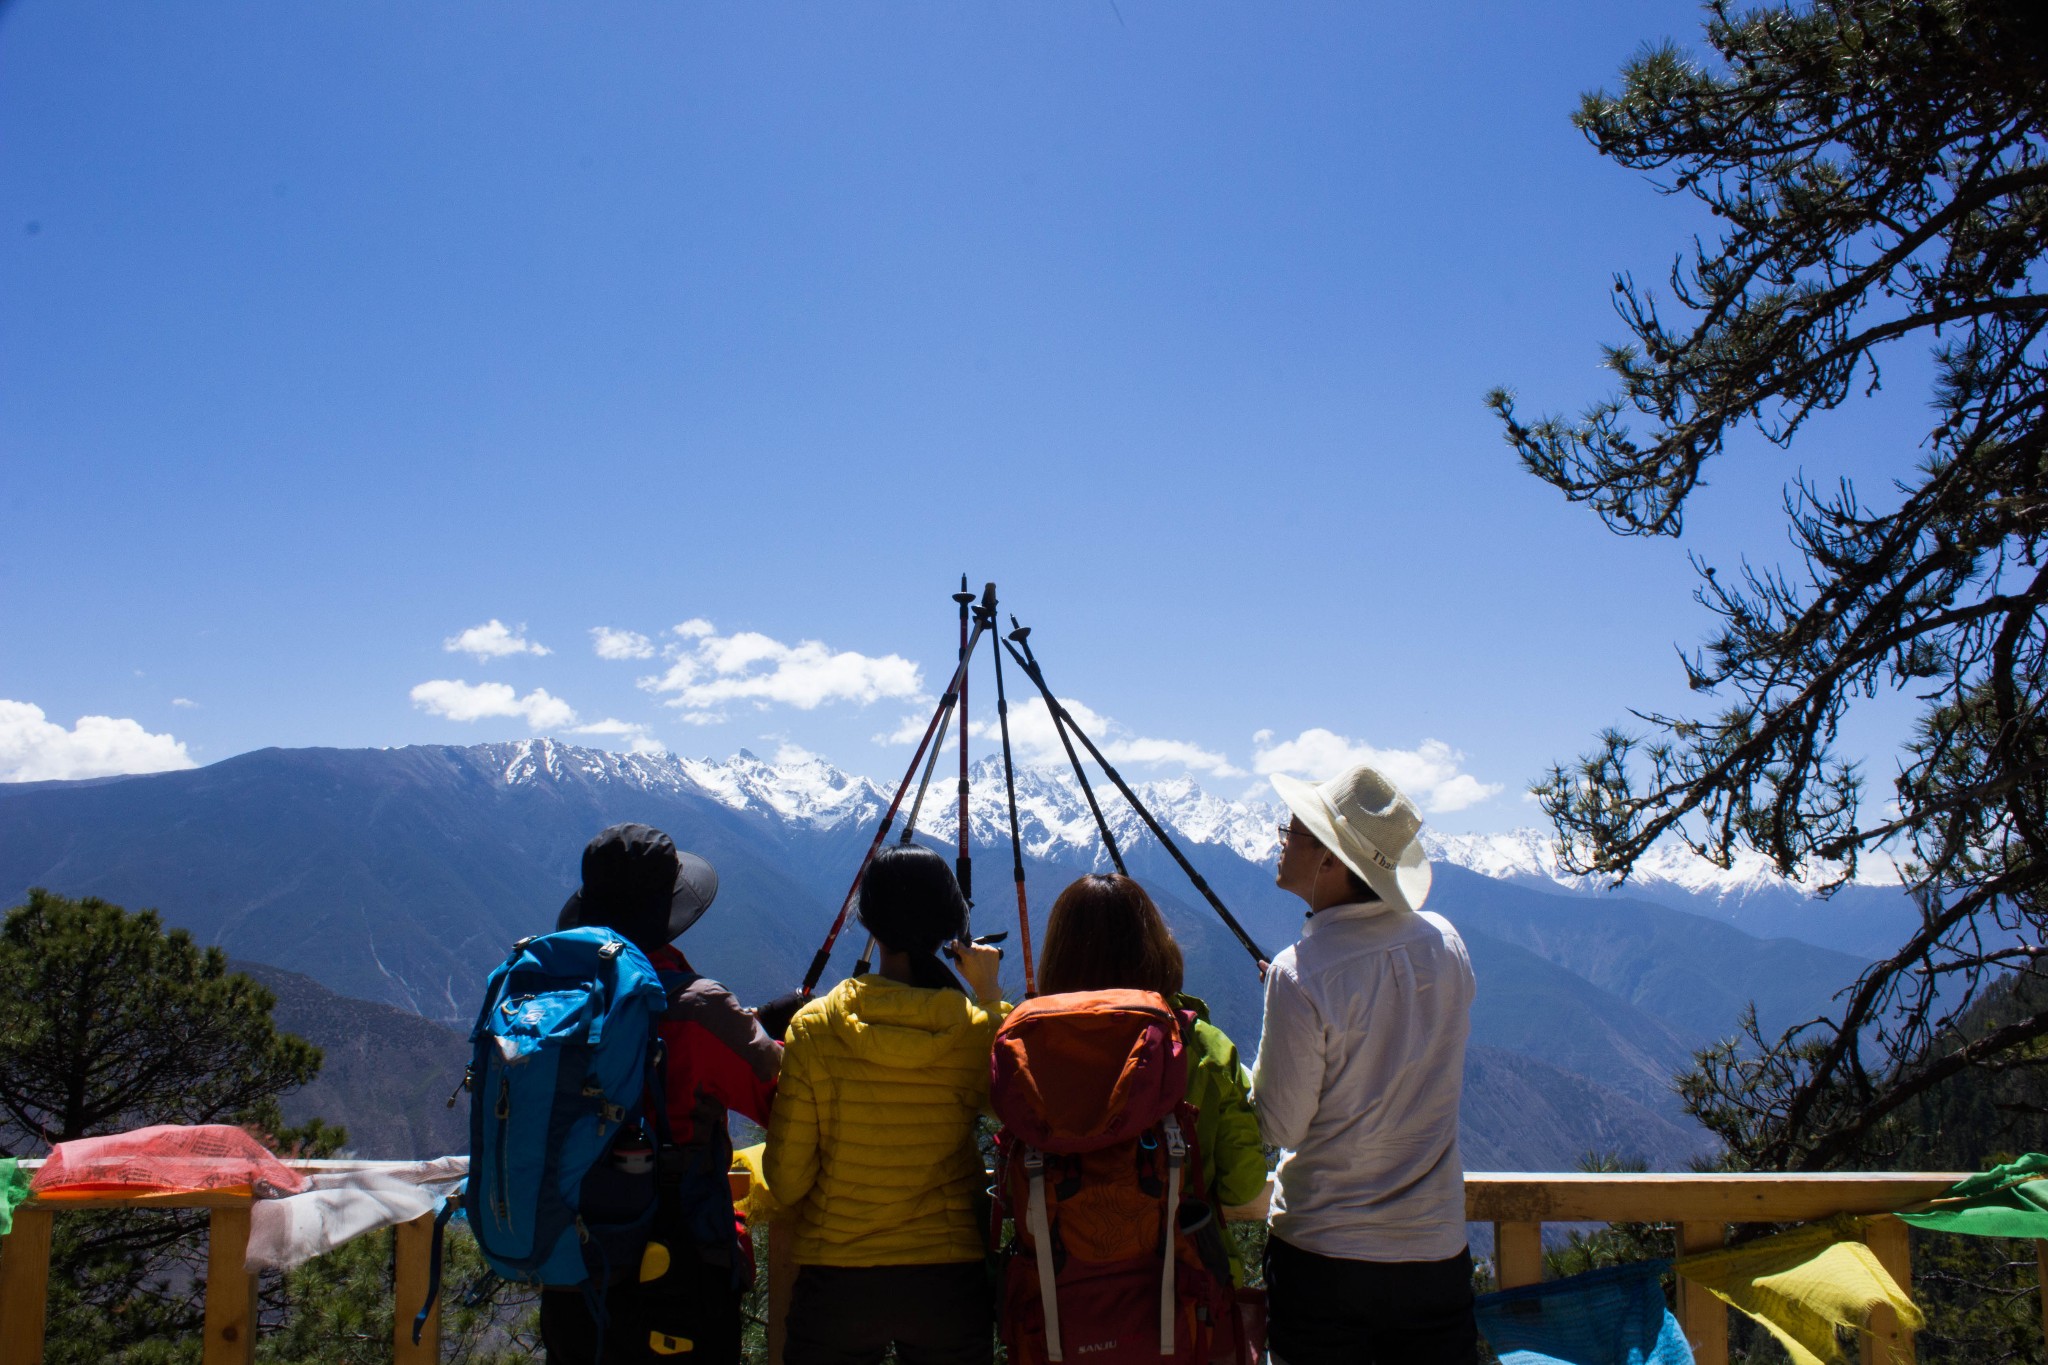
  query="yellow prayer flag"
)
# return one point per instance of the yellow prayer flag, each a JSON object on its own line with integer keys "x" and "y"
{"x": 1805, "y": 1286}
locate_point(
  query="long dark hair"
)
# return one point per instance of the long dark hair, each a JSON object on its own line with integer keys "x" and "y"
{"x": 910, "y": 903}
{"x": 1106, "y": 934}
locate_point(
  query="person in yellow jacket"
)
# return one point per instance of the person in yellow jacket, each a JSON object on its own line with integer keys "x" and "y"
{"x": 1104, "y": 934}
{"x": 871, "y": 1145}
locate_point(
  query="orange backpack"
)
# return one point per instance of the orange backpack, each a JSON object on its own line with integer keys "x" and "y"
{"x": 1115, "y": 1257}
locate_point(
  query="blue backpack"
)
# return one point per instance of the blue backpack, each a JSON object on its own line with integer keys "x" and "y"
{"x": 564, "y": 1052}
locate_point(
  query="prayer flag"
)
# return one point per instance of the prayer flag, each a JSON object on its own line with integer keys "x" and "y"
{"x": 13, "y": 1189}
{"x": 1804, "y": 1286}
{"x": 2005, "y": 1201}
{"x": 1614, "y": 1316}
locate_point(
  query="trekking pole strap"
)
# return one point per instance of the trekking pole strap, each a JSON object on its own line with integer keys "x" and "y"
{"x": 1176, "y": 1157}
{"x": 419, "y": 1323}
{"x": 1041, "y": 1238}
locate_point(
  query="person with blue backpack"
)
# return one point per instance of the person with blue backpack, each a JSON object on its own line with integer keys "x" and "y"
{"x": 603, "y": 1070}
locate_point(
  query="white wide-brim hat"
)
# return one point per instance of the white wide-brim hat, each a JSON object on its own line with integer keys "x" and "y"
{"x": 1362, "y": 818}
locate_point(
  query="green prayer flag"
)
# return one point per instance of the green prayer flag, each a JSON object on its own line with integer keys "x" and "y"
{"x": 13, "y": 1189}
{"x": 2005, "y": 1201}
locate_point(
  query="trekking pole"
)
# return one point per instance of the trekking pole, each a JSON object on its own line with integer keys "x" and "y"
{"x": 1022, "y": 635}
{"x": 946, "y": 707}
{"x": 818, "y": 963}
{"x": 1010, "y": 787}
{"x": 963, "y": 859}
{"x": 1031, "y": 670}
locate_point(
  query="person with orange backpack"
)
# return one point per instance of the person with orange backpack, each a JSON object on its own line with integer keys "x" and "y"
{"x": 872, "y": 1144}
{"x": 1105, "y": 933}
{"x": 1117, "y": 1255}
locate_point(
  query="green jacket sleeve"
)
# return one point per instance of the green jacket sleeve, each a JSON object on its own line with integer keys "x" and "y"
{"x": 1233, "y": 1161}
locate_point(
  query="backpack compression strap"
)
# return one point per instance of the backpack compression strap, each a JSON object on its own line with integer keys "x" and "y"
{"x": 1041, "y": 1237}
{"x": 1176, "y": 1157}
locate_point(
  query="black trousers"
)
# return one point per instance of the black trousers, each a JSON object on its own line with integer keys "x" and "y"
{"x": 638, "y": 1320}
{"x": 1322, "y": 1310}
{"x": 851, "y": 1315}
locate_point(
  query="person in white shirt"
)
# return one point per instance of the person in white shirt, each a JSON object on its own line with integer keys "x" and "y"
{"x": 1360, "y": 1066}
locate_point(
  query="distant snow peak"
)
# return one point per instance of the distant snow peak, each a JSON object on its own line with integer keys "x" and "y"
{"x": 1530, "y": 855}
{"x": 1053, "y": 818}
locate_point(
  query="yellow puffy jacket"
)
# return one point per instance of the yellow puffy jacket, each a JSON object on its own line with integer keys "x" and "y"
{"x": 871, "y": 1141}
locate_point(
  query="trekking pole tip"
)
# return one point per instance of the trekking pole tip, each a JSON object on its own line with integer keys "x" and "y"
{"x": 963, "y": 597}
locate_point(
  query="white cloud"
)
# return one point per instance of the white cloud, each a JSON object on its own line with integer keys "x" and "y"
{"x": 638, "y": 740}
{"x": 492, "y": 640}
{"x": 1035, "y": 740}
{"x": 34, "y": 748}
{"x": 610, "y": 726}
{"x": 185, "y": 703}
{"x": 458, "y": 700}
{"x": 1429, "y": 773}
{"x": 713, "y": 670}
{"x": 620, "y": 644}
{"x": 1262, "y": 736}
{"x": 790, "y": 755}
{"x": 908, "y": 731}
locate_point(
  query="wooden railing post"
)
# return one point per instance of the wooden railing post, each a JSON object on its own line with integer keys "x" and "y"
{"x": 1518, "y": 1253}
{"x": 24, "y": 1287}
{"x": 1888, "y": 1342}
{"x": 230, "y": 1290}
{"x": 1703, "y": 1317}
{"x": 2041, "y": 1271}
{"x": 781, "y": 1280}
{"x": 412, "y": 1263}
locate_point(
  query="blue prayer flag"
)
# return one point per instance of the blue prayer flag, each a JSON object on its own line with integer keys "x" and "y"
{"x": 1614, "y": 1316}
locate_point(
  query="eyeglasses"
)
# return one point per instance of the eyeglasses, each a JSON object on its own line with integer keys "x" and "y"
{"x": 1290, "y": 829}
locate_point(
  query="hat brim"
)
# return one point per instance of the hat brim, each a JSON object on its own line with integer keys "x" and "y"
{"x": 696, "y": 887}
{"x": 1407, "y": 885}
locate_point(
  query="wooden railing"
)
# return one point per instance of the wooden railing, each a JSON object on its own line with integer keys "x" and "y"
{"x": 1704, "y": 1208}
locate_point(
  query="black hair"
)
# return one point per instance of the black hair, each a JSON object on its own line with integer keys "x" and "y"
{"x": 910, "y": 902}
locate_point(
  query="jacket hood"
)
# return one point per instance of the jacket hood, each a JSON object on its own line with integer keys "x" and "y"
{"x": 901, "y": 1026}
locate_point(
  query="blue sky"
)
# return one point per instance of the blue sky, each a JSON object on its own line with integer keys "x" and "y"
{"x": 331, "y": 333}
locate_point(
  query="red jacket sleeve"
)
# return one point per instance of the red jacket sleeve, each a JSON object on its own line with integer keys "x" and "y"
{"x": 717, "y": 1053}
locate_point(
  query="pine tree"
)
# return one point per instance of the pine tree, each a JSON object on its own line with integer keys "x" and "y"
{"x": 1879, "y": 169}
{"x": 108, "y": 1023}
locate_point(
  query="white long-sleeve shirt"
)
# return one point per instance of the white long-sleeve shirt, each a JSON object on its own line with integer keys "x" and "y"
{"x": 1360, "y": 1067}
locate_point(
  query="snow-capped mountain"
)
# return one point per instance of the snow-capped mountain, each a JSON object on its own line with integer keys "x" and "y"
{"x": 1054, "y": 819}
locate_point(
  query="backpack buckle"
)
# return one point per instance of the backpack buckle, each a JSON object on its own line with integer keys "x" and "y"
{"x": 611, "y": 950}
{"x": 1176, "y": 1145}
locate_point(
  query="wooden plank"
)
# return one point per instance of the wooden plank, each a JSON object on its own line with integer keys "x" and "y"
{"x": 230, "y": 1290}
{"x": 2041, "y": 1271}
{"x": 1887, "y": 1342}
{"x": 412, "y": 1266}
{"x": 1704, "y": 1317}
{"x": 1517, "y": 1253}
{"x": 781, "y": 1280}
{"x": 1505, "y": 1197}
{"x": 24, "y": 1287}
{"x": 147, "y": 1199}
